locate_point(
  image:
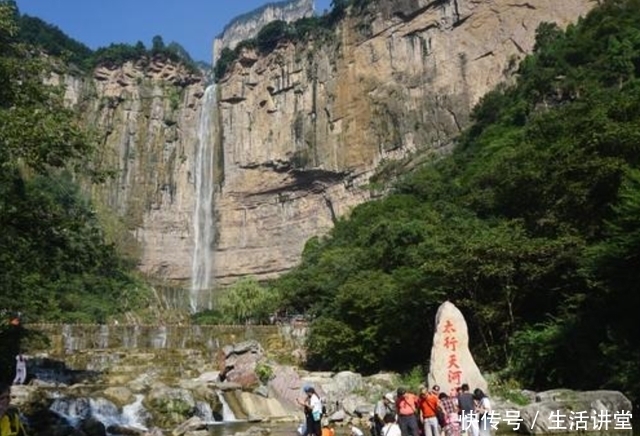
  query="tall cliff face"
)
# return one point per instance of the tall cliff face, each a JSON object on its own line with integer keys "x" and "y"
{"x": 248, "y": 25}
{"x": 304, "y": 127}
{"x": 300, "y": 130}
{"x": 146, "y": 116}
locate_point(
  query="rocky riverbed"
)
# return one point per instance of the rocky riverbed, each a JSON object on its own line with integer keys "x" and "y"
{"x": 182, "y": 392}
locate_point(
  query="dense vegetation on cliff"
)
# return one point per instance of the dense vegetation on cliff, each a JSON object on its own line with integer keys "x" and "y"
{"x": 53, "y": 41}
{"x": 56, "y": 264}
{"x": 319, "y": 28}
{"x": 531, "y": 227}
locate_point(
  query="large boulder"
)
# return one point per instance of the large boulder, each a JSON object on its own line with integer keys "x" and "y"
{"x": 192, "y": 424}
{"x": 259, "y": 408}
{"x": 119, "y": 395}
{"x": 451, "y": 362}
{"x": 287, "y": 385}
{"x": 169, "y": 406}
{"x": 240, "y": 362}
{"x": 93, "y": 427}
{"x": 123, "y": 430}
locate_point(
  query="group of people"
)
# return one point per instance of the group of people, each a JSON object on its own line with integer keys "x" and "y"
{"x": 432, "y": 413}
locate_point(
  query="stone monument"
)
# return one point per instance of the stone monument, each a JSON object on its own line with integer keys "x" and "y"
{"x": 451, "y": 362}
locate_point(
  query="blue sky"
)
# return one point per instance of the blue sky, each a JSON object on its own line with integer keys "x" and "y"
{"x": 192, "y": 23}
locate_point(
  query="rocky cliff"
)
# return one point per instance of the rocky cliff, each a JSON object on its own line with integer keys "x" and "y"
{"x": 145, "y": 115}
{"x": 248, "y": 25}
{"x": 304, "y": 127}
{"x": 300, "y": 130}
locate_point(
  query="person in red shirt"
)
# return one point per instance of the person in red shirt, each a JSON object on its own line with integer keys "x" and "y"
{"x": 327, "y": 429}
{"x": 428, "y": 403}
{"x": 407, "y": 408}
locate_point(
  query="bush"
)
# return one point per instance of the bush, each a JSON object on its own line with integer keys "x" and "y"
{"x": 264, "y": 371}
{"x": 412, "y": 380}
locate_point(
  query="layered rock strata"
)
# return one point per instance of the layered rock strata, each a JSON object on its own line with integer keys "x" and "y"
{"x": 303, "y": 128}
{"x": 300, "y": 130}
{"x": 145, "y": 115}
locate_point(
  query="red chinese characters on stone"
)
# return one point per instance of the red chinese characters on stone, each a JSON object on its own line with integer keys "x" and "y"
{"x": 448, "y": 327}
{"x": 450, "y": 343}
{"x": 454, "y": 378}
{"x": 454, "y": 374}
{"x": 453, "y": 362}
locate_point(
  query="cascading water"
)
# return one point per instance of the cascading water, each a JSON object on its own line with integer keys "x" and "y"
{"x": 203, "y": 213}
{"x": 227, "y": 413}
{"x": 74, "y": 410}
{"x": 204, "y": 412}
{"x": 134, "y": 414}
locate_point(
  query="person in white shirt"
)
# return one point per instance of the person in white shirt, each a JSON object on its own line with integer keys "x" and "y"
{"x": 391, "y": 428}
{"x": 483, "y": 408}
{"x": 312, "y": 411}
{"x": 386, "y": 405}
{"x": 21, "y": 370}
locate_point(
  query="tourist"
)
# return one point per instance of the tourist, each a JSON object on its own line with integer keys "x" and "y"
{"x": 468, "y": 415}
{"x": 428, "y": 404}
{"x": 483, "y": 409}
{"x": 327, "y": 430}
{"x": 390, "y": 427}
{"x": 406, "y": 409}
{"x": 312, "y": 406}
{"x": 449, "y": 407}
{"x": 10, "y": 424}
{"x": 383, "y": 407}
{"x": 21, "y": 370}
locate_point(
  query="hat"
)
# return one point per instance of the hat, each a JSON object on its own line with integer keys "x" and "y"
{"x": 389, "y": 396}
{"x": 307, "y": 387}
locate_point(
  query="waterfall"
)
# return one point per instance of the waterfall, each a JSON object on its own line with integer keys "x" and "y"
{"x": 227, "y": 413}
{"x": 159, "y": 338}
{"x": 74, "y": 410}
{"x": 71, "y": 342}
{"x": 103, "y": 336}
{"x": 203, "y": 212}
{"x": 105, "y": 411}
{"x": 134, "y": 414}
{"x": 204, "y": 412}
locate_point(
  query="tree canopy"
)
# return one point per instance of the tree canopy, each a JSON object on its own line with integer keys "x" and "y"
{"x": 531, "y": 227}
{"x": 56, "y": 264}
{"x": 51, "y": 40}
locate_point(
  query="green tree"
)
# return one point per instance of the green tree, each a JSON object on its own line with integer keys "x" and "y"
{"x": 246, "y": 301}
{"x": 268, "y": 37}
{"x": 157, "y": 44}
{"x": 56, "y": 264}
{"x": 530, "y": 227}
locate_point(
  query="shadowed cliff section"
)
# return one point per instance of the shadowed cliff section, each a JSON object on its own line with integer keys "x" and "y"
{"x": 317, "y": 117}
{"x": 322, "y": 114}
